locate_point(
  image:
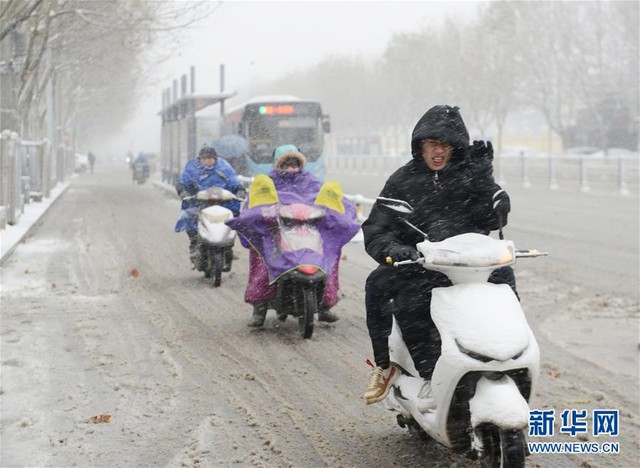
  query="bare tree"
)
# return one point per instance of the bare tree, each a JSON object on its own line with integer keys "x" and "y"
{"x": 15, "y": 12}
{"x": 94, "y": 54}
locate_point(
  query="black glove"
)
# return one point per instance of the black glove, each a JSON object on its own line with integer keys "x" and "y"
{"x": 482, "y": 151}
{"x": 182, "y": 191}
{"x": 501, "y": 206}
{"x": 241, "y": 193}
{"x": 481, "y": 160}
{"x": 399, "y": 253}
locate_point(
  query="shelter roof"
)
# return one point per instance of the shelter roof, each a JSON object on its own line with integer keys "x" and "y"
{"x": 195, "y": 101}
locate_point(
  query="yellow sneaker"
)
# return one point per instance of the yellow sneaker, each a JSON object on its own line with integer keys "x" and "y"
{"x": 380, "y": 384}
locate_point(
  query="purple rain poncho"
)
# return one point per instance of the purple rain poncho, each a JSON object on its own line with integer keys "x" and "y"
{"x": 258, "y": 230}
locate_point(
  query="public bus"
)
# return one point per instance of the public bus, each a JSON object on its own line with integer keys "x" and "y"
{"x": 266, "y": 122}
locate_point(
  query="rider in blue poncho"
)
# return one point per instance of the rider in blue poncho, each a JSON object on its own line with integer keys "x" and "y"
{"x": 201, "y": 173}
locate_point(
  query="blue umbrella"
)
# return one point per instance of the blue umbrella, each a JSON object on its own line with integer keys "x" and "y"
{"x": 230, "y": 146}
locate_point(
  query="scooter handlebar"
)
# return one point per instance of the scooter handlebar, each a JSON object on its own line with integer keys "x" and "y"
{"x": 390, "y": 261}
{"x": 213, "y": 195}
{"x": 193, "y": 197}
{"x": 530, "y": 253}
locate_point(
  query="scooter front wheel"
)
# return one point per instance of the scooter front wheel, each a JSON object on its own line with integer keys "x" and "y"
{"x": 502, "y": 448}
{"x": 310, "y": 307}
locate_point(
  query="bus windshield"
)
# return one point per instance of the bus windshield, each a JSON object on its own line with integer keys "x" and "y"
{"x": 302, "y": 127}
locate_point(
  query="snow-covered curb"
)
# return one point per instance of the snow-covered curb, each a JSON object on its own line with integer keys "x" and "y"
{"x": 12, "y": 235}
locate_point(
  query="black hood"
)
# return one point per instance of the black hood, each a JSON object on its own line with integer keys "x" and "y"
{"x": 442, "y": 123}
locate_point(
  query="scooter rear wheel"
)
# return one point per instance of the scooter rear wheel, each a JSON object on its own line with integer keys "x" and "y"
{"x": 310, "y": 307}
{"x": 502, "y": 448}
{"x": 218, "y": 261}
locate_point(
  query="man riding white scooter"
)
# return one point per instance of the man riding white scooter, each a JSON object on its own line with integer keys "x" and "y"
{"x": 201, "y": 173}
{"x": 451, "y": 188}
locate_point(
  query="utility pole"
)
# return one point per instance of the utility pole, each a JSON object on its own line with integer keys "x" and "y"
{"x": 222, "y": 102}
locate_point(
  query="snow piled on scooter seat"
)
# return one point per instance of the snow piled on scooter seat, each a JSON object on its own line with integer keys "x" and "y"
{"x": 484, "y": 318}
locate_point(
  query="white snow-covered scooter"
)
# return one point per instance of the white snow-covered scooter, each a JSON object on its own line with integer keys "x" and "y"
{"x": 489, "y": 361}
{"x": 215, "y": 238}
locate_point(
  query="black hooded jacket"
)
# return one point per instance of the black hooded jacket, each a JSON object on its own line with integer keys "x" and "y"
{"x": 452, "y": 201}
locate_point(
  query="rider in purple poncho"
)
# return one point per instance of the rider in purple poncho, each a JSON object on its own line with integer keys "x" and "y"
{"x": 293, "y": 185}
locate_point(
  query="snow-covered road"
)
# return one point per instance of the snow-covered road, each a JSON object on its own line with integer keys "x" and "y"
{"x": 101, "y": 315}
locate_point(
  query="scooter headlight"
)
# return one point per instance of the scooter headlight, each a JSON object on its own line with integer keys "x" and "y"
{"x": 483, "y": 358}
{"x": 493, "y": 375}
{"x": 473, "y": 354}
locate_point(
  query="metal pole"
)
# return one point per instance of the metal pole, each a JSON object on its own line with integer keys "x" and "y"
{"x": 163, "y": 139}
{"x": 498, "y": 164}
{"x": 222, "y": 100}
{"x": 622, "y": 187}
{"x": 525, "y": 175}
{"x": 553, "y": 185}
{"x": 584, "y": 184}
{"x": 190, "y": 121}
{"x": 14, "y": 205}
{"x": 222, "y": 89}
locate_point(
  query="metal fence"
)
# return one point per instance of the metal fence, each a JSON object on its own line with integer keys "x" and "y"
{"x": 28, "y": 172}
{"x": 609, "y": 174}
{"x": 584, "y": 174}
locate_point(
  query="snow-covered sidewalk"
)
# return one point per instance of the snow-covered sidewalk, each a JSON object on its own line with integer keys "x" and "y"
{"x": 11, "y": 235}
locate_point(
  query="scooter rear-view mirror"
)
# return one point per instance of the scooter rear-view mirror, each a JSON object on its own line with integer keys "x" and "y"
{"x": 399, "y": 208}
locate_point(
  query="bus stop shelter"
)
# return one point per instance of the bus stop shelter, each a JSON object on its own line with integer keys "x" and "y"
{"x": 179, "y": 130}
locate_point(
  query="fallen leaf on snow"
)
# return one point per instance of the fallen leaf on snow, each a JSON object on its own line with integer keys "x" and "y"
{"x": 554, "y": 374}
{"x": 100, "y": 418}
{"x": 134, "y": 272}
